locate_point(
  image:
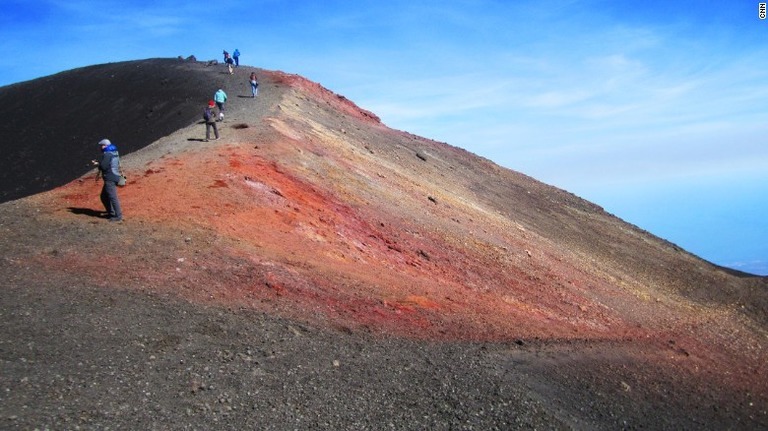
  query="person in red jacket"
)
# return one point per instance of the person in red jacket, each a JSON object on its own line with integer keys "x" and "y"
{"x": 210, "y": 121}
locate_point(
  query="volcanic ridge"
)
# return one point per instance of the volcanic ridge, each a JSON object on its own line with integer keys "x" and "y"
{"x": 315, "y": 269}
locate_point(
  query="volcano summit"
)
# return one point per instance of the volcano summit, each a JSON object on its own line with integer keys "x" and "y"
{"x": 315, "y": 269}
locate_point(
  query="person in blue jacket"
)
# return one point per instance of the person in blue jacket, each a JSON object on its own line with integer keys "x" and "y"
{"x": 109, "y": 167}
{"x": 236, "y": 56}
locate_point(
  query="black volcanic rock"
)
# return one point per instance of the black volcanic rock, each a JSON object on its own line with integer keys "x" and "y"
{"x": 57, "y": 120}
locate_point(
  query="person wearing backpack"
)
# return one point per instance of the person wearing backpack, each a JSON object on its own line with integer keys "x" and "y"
{"x": 109, "y": 167}
{"x": 228, "y": 61}
{"x": 210, "y": 121}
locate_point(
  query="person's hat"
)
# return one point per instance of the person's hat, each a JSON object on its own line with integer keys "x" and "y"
{"x": 211, "y": 103}
{"x": 105, "y": 142}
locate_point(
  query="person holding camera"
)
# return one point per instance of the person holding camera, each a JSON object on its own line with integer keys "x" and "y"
{"x": 109, "y": 167}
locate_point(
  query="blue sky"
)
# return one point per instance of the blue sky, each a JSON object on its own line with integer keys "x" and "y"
{"x": 655, "y": 110}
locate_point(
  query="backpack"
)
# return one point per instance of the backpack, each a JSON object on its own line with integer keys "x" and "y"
{"x": 207, "y": 114}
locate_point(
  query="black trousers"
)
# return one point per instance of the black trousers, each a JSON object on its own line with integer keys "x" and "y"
{"x": 208, "y": 130}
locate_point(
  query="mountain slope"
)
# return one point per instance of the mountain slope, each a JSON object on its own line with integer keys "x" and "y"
{"x": 309, "y": 209}
{"x": 55, "y": 119}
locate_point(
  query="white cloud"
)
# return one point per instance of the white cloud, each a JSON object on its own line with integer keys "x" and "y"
{"x": 557, "y": 99}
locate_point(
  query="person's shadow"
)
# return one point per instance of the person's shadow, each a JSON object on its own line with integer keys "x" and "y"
{"x": 87, "y": 212}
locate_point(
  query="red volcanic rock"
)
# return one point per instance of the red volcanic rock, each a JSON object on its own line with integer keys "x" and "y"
{"x": 319, "y": 93}
{"x": 310, "y": 211}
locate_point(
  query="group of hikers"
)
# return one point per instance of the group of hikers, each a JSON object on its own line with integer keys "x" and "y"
{"x": 109, "y": 164}
{"x": 232, "y": 61}
{"x": 220, "y": 97}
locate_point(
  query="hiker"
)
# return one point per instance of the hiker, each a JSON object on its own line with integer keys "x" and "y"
{"x": 210, "y": 121}
{"x": 236, "y": 56}
{"x": 109, "y": 167}
{"x": 254, "y": 84}
{"x": 228, "y": 61}
{"x": 220, "y": 97}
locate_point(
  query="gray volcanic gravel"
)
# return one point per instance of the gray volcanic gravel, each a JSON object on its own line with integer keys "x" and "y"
{"x": 86, "y": 357}
{"x": 103, "y": 359}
